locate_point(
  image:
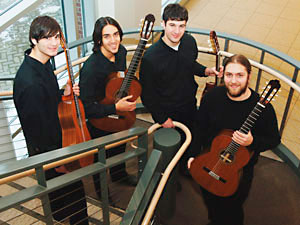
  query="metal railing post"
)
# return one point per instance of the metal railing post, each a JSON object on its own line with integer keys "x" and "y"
{"x": 104, "y": 187}
{"x": 41, "y": 180}
{"x": 168, "y": 142}
{"x": 288, "y": 103}
{"x": 142, "y": 159}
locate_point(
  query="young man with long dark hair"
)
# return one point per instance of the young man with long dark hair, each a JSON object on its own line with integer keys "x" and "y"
{"x": 109, "y": 56}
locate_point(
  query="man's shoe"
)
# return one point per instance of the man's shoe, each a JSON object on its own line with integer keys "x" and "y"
{"x": 129, "y": 180}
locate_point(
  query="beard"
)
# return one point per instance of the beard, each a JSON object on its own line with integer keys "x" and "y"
{"x": 240, "y": 92}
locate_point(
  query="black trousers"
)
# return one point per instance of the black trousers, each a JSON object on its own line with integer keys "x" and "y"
{"x": 68, "y": 202}
{"x": 117, "y": 172}
{"x": 229, "y": 210}
{"x": 184, "y": 115}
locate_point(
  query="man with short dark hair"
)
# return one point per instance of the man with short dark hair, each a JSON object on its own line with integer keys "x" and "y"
{"x": 167, "y": 73}
{"x": 36, "y": 96}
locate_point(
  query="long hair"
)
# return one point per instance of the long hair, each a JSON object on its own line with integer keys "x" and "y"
{"x": 98, "y": 28}
{"x": 240, "y": 59}
{"x": 43, "y": 27}
{"x": 175, "y": 12}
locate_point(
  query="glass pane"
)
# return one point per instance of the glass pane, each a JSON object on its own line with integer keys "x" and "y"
{"x": 6, "y": 4}
{"x": 14, "y": 40}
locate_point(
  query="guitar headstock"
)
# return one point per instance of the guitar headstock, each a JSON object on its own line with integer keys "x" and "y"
{"x": 269, "y": 92}
{"x": 214, "y": 41}
{"x": 63, "y": 42}
{"x": 148, "y": 23}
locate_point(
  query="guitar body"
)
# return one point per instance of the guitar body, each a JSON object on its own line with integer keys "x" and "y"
{"x": 71, "y": 132}
{"x": 123, "y": 120}
{"x": 217, "y": 173}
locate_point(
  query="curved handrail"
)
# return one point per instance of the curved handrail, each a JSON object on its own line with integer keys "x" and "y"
{"x": 286, "y": 79}
{"x": 168, "y": 170}
{"x": 228, "y": 37}
{"x": 286, "y": 58}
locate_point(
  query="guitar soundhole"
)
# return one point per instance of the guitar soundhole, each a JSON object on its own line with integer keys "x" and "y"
{"x": 226, "y": 157}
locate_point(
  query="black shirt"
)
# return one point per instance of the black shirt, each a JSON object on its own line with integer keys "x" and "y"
{"x": 92, "y": 82}
{"x": 167, "y": 77}
{"x": 36, "y": 96}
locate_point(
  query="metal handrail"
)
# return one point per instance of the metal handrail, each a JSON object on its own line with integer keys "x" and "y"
{"x": 291, "y": 81}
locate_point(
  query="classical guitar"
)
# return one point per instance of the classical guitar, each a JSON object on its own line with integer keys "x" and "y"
{"x": 72, "y": 117}
{"x": 214, "y": 43}
{"x": 119, "y": 86}
{"x": 219, "y": 171}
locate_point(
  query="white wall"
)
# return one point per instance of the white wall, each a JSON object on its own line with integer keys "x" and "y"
{"x": 128, "y": 12}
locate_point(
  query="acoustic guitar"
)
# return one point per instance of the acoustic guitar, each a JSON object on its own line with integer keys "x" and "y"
{"x": 219, "y": 171}
{"x": 72, "y": 117}
{"x": 119, "y": 86}
{"x": 214, "y": 43}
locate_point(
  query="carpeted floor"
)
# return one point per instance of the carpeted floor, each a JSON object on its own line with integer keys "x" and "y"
{"x": 274, "y": 198}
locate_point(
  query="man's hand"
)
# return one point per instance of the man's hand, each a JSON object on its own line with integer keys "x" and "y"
{"x": 190, "y": 162}
{"x": 214, "y": 72}
{"x": 242, "y": 139}
{"x": 168, "y": 123}
{"x": 67, "y": 90}
{"x": 124, "y": 105}
{"x": 61, "y": 169}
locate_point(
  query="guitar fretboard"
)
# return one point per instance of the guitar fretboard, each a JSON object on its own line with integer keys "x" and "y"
{"x": 132, "y": 68}
{"x": 247, "y": 125}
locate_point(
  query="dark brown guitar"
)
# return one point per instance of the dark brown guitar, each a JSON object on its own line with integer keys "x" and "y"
{"x": 119, "y": 86}
{"x": 216, "y": 48}
{"x": 219, "y": 171}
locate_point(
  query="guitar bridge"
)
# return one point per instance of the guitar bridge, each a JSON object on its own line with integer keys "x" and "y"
{"x": 115, "y": 116}
{"x": 214, "y": 175}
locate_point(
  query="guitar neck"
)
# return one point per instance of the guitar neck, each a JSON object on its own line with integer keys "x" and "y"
{"x": 133, "y": 66}
{"x": 72, "y": 79}
{"x": 247, "y": 125}
{"x": 217, "y": 79}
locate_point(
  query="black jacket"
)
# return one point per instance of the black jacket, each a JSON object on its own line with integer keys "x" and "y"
{"x": 167, "y": 77}
{"x": 36, "y": 96}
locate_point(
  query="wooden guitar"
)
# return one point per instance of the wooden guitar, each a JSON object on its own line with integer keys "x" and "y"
{"x": 72, "y": 117}
{"x": 219, "y": 171}
{"x": 216, "y": 48}
{"x": 118, "y": 87}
